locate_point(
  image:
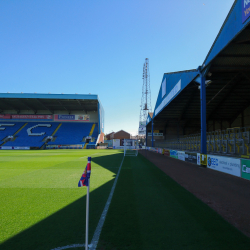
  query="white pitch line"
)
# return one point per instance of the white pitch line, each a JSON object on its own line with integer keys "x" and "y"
{"x": 91, "y": 155}
{"x": 69, "y": 246}
{"x": 98, "y": 229}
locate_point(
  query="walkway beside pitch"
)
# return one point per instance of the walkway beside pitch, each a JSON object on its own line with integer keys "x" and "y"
{"x": 226, "y": 194}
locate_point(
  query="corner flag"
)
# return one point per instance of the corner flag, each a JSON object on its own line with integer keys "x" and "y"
{"x": 84, "y": 181}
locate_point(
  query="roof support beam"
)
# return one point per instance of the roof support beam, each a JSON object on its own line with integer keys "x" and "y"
{"x": 189, "y": 102}
{"x": 239, "y": 112}
{"x": 40, "y": 102}
{"x": 10, "y": 105}
{"x": 81, "y": 106}
{"x": 234, "y": 55}
{"x": 25, "y": 104}
{"x": 244, "y": 37}
{"x": 229, "y": 69}
{"x": 245, "y": 106}
{"x": 224, "y": 99}
{"x": 64, "y": 107}
{"x": 223, "y": 89}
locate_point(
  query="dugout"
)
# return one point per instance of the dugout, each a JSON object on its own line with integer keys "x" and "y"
{"x": 50, "y": 115}
{"x": 208, "y": 109}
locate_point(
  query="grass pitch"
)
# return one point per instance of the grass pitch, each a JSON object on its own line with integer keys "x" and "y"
{"x": 41, "y": 206}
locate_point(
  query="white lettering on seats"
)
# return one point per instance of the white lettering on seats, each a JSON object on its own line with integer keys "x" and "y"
{"x": 29, "y": 130}
{"x": 3, "y": 128}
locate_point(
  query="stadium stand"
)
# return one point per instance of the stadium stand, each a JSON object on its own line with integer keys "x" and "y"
{"x": 32, "y": 134}
{"x": 72, "y": 133}
{"x": 207, "y": 109}
{"x": 50, "y": 121}
{"x": 9, "y": 129}
{"x": 94, "y": 135}
{"x": 234, "y": 141}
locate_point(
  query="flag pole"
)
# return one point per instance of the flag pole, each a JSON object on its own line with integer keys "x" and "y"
{"x": 87, "y": 204}
{"x": 85, "y": 181}
{"x": 87, "y": 218}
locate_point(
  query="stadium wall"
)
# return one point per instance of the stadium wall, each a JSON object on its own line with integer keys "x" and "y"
{"x": 238, "y": 167}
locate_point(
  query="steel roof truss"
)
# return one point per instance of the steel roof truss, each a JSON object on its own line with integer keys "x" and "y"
{"x": 222, "y": 89}
{"x": 64, "y": 107}
{"x": 26, "y": 105}
{"x": 223, "y": 99}
{"x": 40, "y": 102}
{"x": 81, "y": 106}
{"x": 10, "y": 105}
{"x": 189, "y": 102}
{"x": 239, "y": 111}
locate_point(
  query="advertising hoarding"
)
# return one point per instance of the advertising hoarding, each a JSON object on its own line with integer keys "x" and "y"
{"x": 155, "y": 134}
{"x": 116, "y": 143}
{"x": 72, "y": 118}
{"x": 166, "y": 152}
{"x": 223, "y": 164}
{"x": 173, "y": 154}
{"x": 142, "y": 127}
{"x": 160, "y": 150}
{"x": 181, "y": 155}
{"x": 245, "y": 169}
{"x": 16, "y": 148}
{"x": 245, "y": 10}
{"x": 191, "y": 157}
{"x": 130, "y": 142}
{"x": 76, "y": 146}
{"x": 6, "y": 147}
{"x": 33, "y": 117}
{"x": 22, "y": 148}
{"x": 153, "y": 149}
{"x": 5, "y": 116}
{"x": 198, "y": 159}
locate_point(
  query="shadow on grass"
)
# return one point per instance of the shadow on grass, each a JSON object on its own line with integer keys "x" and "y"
{"x": 149, "y": 210}
{"x": 67, "y": 226}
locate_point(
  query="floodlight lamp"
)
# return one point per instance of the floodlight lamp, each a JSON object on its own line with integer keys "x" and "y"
{"x": 208, "y": 82}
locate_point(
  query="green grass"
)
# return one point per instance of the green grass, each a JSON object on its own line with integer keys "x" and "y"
{"x": 151, "y": 211}
{"x": 42, "y": 208}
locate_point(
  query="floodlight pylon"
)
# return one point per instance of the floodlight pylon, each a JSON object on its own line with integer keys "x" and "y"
{"x": 146, "y": 93}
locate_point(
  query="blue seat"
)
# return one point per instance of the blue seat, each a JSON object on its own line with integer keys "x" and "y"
{"x": 73, "y": 133}
{"x": 23, "y": 139}
{"x": 9, "y": 130}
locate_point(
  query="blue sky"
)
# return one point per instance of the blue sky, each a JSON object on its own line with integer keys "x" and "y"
{"x": 99, "y": 47}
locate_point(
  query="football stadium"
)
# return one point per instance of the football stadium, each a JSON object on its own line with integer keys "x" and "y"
{"x": 46, "y": 121}
{"x": 188, "y": 187}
